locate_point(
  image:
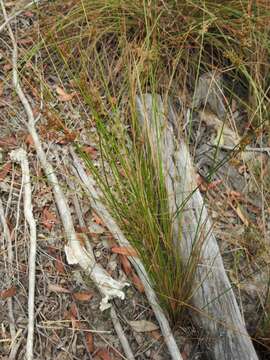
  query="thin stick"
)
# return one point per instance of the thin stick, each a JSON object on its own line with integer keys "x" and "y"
{"x": 245, "y": 148}
{"x": 20, "y": 156}
{"x": 7, "y": 237}
{"x": 96, "y": 203}
{"x": 121, "y": 335}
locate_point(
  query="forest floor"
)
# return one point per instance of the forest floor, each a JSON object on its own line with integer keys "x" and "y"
{"x": 68, "y": 320}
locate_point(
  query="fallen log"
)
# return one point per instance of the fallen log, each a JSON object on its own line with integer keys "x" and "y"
{"x": 217, "y": 311}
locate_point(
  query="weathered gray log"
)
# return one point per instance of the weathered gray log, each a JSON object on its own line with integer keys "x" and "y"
{"x": 218, "y": 312}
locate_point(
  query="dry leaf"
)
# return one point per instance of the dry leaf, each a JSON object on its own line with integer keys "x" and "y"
{"x": 58, "y": 289}
{"x": 29, "y": 141}
{"x": 235, "y": 195}
{"x": 123, "y": 250}
{"x": 7, "y": 293}
{"x": 28, "y": 13}
{"x": 5, "y": 170}
{"x": 62, "y": 95}
{"x": 59, "y": 266}
{"x": 8, "y": 142}
{"x": 214, "y": 184}
{"x": 1, "y": 88}
{"x": 156, "y": 334}
{"x": 83, "y": 296}
{"x": 90, "y": 342}
{"x": 67, "y": 139}
{"x": 143, "y": 326}
{"x": 25, "y": 41}
{"x": 97, "y": 219}
{"x": 7, "y": 67}
{"x": 125, "y": 264}
{"x": 90, "y": 150}
{"x": 80, "y": 229}
{"x": 49, "y": 219}
{"x": 137, "y": 283}
{"x": 74, "y": 310}
{"x": 103, "y": 354}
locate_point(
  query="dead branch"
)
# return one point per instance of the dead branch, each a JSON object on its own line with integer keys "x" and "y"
{"x": 217, "y": 310}
{"x": 21, "y": 157}
{"x": 10, "y": 257}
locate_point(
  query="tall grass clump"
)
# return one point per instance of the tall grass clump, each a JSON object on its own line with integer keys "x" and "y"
{"x": 113, "y": 50}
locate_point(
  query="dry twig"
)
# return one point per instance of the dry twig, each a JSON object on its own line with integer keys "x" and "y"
{"x": 121, "y": 335}
{"x": 7, "y": 237}
{"x": 21, "y": 157}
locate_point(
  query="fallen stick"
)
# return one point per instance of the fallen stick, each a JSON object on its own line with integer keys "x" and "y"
{"x": 107, "y": 286}
{"x": 7, "y": 237}
{"x": 21, "y": 157}
{"x": 95, "y": 196}
{"x": 218, "y": 312}
{"x": 121, "y": 335}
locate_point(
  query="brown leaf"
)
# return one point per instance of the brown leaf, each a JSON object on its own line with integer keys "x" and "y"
{"x": 58, "y": 289}
{"x": 214, "y": 184}
{"x": 25, "y": 41}
{"x": 68, "y": 138}
{"x": 63, "y": 96}
{"x": 48, "y": 219}
{"x": 83, "y": 296}
{"x": 59, "y": 266}
{"x": 1, "y": 88}
{"x": 74, "y": 310}
{"x": 137, "y": 283}
{"x": 97, "y": 219}
{"x": 82, "y": 230}
{"x": 7, "y": 293}
{"x": 235, "y": 195}
{"x": 125, "y": 264}
{"x": 90, "y": 342}
{"x": 7, "y": 67}
{"x": 143, "y": 326}
{"x": 103, "y": 354}
{"x": 29, "y": 141}
{"x": 155, "y": 334}
{"x": 123, "y": 250}
{"x": 90, "y": 150}
{"x": 28, "y": 14}
{"x": 5, "y": 170}
{"x": 8, "y": 142}
{"x": 51, "y": 250}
